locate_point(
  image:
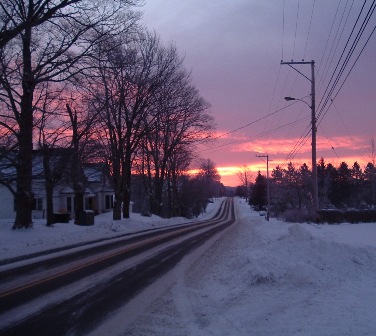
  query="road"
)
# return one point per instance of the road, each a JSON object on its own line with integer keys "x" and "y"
{"x": 72, "y": 291}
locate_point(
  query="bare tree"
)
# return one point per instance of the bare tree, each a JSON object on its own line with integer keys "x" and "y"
{"x": 182, "y": 119}
{"x": 82, "y": 122}
{"x": 372, "y": 170}
{"x": 178, "y": 164}
{"x": 245, "y": 177}
{"x": 132, "y": 76}
{"x": 52, "y": 143}
{"x": 209, "y": 176}
{"x": 44, "y": 41}
{"x": 15, "y": 16}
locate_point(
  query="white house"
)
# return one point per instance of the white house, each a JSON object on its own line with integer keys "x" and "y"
{"x": 98, "y": 195}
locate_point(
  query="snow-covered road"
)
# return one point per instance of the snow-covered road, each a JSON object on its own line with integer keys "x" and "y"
{"x": 257, "y": 278}
{"x": 263, "y": 278}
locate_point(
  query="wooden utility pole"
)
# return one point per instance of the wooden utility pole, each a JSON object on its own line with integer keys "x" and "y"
{"x": 314, "y": 129}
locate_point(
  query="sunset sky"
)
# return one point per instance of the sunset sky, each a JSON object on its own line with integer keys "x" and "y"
{"x": 234, "y": 51}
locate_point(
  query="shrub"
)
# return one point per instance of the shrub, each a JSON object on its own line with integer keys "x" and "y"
{"x": 331, "y": 216}
{"x": 350, "y": 216}
{"x": 360, "y": 216}
{"x": 297, "y": 216}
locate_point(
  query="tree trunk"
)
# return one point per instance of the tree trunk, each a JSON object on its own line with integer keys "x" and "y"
{"x": 126, "y": 203}
{"x": 49, "y": 201}
{"x": 78, "y": 204}
{"x": 158, "y": 188}
{"x": 169, "y": 196}
{"x": 127, "y": 192}
{"x": 49, "y": 185}
{"x": 24, "y": 195}
{"x": 157, "y": 206}
{"x": 118, "y": 186}
{"x": 116, "y": 214}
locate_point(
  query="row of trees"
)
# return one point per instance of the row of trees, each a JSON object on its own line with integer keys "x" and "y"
{"x": 85, "y": 75}
{"x": 339, "y": 187}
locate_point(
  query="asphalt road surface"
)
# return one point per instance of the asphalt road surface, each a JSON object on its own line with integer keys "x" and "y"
{"x": 71, "y": 291}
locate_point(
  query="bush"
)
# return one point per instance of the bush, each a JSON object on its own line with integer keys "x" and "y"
{"x": 350, "y": 216}
{"x": 369, "y": 216}
{"x": 331, "y": 216}
{"x": 360, "y": 216}
{"x": 297, "y": 216}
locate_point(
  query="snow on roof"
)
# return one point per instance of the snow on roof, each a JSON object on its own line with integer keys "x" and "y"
{"x": 66, "y": 190}
{"x": 93, "y": 172}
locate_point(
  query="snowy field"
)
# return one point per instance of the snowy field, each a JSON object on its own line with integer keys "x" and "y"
{"x": 257, "y": 278}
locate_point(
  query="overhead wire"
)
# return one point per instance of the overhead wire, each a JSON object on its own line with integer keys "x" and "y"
{"x": 327, "y": 41}
{"x": 246, "y": 125}
{"x": 334, "y": 80}
{"x": 254, "y": 137}
{"x": 334, "y": 45}
{"x": 344, "y": 65}
{"x": 309, "y": 29}
{"x": 283, "y": 27}
{"x": 298, "y": 145}
{"x": 293, "y": 84}
{"x": 304, "y": 137}
{"x": 352, "y": 67}
{"x": 330, "y": 143}
{"x": 333, "y": 83}
{"x": 296, "y": 28}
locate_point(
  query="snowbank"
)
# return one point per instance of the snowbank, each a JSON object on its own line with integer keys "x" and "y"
{"x": 40, "y": 237}
{"x": 257, "y": 278}
{"x": 271, "y": 278}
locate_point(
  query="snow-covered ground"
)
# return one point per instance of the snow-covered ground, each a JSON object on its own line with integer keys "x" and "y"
{"x": 40, "y": 237}
{"x": 257, "y": 278}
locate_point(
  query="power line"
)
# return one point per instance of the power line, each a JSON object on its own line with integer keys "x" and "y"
{"x": 283, "y": 26}
{"x": 257, "y": 136}
{"x": 296, "y": 28}
{"x": 304, "y": 137}
{"x": 346, "y": 76}
{"x": 301, "y": 142}
{"x": 333, "y": 49}
{"x": 309, "y": 28}
{"x": 329, "y": 92}
{"x": 249, "y": 124}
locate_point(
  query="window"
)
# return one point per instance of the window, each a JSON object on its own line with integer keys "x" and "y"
{"x": 109, "y": 202}
{"x": 37, "y": 204}
{"x": 69, "y": 204}
{"x": 89, "y": 201}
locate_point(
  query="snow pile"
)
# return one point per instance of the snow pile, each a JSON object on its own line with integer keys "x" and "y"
{"x": 256, "y": 278}
{"x": 40, "y": 237}
{"x": 270, "y": 278}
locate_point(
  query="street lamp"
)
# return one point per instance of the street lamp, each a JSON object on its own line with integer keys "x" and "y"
{"x": 297, "y": 99}
{"x": 314, "y": 165}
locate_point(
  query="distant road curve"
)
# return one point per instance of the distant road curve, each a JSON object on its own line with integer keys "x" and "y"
{"x": 72, "y": 291}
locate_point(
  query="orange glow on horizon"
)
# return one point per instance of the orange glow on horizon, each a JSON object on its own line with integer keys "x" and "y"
{"x": 284, "y": 146}
{"x": 229, "y": 174}
{"x": 336, "y": 150}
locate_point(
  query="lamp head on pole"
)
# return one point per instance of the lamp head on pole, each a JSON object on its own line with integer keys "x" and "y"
{"x": 289, "y": 98}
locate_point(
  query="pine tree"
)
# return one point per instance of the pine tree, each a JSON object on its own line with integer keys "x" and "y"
{"x": 258, "y": 192}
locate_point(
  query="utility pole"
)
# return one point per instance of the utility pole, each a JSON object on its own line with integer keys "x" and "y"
{"x": 267, "y": 183}
{"x": 314, "y": 129}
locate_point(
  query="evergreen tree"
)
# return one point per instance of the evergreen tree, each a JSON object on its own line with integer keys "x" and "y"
{"x": 370, "y": 183}
{"x": 258, "y": 192}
